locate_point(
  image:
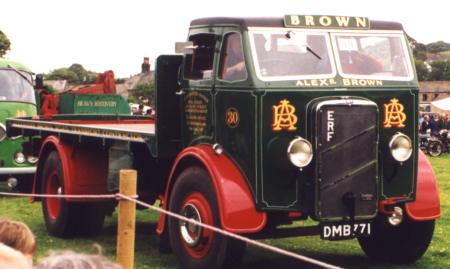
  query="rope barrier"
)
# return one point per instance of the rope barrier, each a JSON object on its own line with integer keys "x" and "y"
{"x": 74, "y": 196}
{"x": 180, "y": 217}
{"x": 235, "y": 236}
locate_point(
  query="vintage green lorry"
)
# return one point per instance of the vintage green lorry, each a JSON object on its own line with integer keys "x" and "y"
{"x": 260, "y": 122}
{"x": 17, "y": 99}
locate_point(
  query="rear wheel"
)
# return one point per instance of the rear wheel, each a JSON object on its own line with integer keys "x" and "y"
{"x": 403, "y": 244}
{"x": 62, "y": 218}
{"x": 193, "y": 196}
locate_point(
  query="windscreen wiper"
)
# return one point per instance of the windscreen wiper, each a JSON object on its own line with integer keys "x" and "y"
{"x": 313, "y": 52}
{"x": 290, "y": 34}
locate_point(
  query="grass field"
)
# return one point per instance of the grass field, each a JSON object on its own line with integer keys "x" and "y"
{"x": 346, "y": 253}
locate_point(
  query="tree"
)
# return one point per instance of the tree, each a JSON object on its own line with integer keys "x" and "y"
{"x": 63, "y": 74}
{"x": 74, "y": 74}
{"x": 440, "y": 70}
{"x": 438, "y": 46}
{"x": 421, "y": 69}
{"x": 145, "y": 91}
{"x": 5, "y": 44}
{"x": 84, "y": 76}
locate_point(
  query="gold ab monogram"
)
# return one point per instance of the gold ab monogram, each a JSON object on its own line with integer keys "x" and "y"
{"x": 284, "y": 117}
{"x": 394, "y": 115}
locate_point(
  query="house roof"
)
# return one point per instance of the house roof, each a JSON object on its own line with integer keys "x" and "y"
{"x": 139, "y": 79}
{"x": 435, "y": 86}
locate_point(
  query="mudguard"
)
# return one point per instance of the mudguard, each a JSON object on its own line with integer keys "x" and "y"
{"x": 85, "y": 170}
{"x": 235, "y": 201}
{"x": 427, "y": 204}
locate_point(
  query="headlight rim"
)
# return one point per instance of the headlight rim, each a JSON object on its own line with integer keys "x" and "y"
{"x": 391, "y": 144}
{"x": 16, "y": 157}
{"x": 290, "y": 153}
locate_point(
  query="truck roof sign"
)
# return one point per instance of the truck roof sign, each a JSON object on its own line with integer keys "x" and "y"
{"x": 323, "y": 21}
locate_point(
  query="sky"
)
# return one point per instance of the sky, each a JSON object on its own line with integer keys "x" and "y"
{"x": 117, "y": 34}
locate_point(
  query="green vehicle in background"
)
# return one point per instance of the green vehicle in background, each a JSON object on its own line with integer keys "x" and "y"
{"x": 17, "y": 99}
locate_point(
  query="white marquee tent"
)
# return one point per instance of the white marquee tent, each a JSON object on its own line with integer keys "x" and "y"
{"x": 441, "y": 106}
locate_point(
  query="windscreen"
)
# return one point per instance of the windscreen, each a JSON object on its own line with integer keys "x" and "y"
{"x": 285, "y": 55}
{"x": 375, "y": 56}
{"x": 15, "y": 88}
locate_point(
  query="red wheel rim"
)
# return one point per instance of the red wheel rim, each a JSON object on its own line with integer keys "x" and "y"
{"x": 53, "y": 187}
{"x": 196, "y": 240}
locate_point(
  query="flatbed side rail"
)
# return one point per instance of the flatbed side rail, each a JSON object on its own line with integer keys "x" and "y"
{"x": 117, "y": 132}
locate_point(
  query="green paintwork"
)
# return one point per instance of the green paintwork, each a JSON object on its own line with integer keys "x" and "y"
{"x": 9, "y": 146}
{"x": 93, "y": 104}
{"x": 260, "y": 153}
{"x": 8, "y": 64}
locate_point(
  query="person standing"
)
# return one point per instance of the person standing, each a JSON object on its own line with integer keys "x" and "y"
{"x": 426, "y": 125}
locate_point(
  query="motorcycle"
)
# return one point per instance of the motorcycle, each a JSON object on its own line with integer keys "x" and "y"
{"x": 439, "y": 144}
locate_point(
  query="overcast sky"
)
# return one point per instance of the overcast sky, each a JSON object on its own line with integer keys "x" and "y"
{"x": 117, "y": 34}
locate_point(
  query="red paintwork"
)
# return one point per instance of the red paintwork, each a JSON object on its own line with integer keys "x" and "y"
{"x": 382, "y": 205}
{"x": 49, "y": 104}
{"x": 104, "y": 84}
{"x": 202, "y": 205}
{"x": 236, "y": 206}
{"x": 427, "y": 205}
{"x": 85, "y": 171}
{"x": 53, "y": 204}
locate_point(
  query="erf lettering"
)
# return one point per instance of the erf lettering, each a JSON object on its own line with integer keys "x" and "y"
{"x": 330, "y": 125}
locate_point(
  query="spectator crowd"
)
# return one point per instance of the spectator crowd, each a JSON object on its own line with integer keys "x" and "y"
{"x": 18, "y": 245}
{"x": 433, "y": 123}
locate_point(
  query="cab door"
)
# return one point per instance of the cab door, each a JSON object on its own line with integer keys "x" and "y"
{"x": 198, "y": 89}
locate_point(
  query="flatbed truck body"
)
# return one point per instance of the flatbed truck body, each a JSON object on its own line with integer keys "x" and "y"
{"x": 259, "y": 122}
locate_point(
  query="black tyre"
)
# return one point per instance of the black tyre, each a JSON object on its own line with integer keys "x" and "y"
{"x": 66, "y": 219}
{"x": 193, "y": 196}
{"x": 403, "y": 244}
{"x": 435, "y": 148}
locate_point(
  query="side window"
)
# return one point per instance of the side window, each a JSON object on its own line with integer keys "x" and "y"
{"x": 199, "y": 64}
{"x": 232, "y": 64}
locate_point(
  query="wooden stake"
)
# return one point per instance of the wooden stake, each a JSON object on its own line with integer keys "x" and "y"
{"x": 127, "y": 220}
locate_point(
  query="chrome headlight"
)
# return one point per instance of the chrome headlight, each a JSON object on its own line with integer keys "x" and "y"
{"x": 32, "y": 159}
{"x": 19, "y": 158}
{"x": 401, "y": 147}
{"x": 2, "y": 132}
{"x": 300, "y": 152}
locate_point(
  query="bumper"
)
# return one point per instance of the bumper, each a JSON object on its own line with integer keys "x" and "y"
{"x": 17, "y": 170}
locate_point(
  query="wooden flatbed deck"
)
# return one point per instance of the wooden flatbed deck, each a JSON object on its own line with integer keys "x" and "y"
{"x": 127, "y": 130}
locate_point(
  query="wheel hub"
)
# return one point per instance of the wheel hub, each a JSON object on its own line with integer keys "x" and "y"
{"x": 190, "y": 233}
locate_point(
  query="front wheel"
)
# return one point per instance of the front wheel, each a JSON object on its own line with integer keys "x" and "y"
{"x": 402, "y": 244}
{"x": 435, "y": 148}
{"x": 62, "y": 218}
{"x": 193, "y": 196}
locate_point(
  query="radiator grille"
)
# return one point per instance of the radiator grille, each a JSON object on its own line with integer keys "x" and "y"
{"x": 346, "y": 160}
